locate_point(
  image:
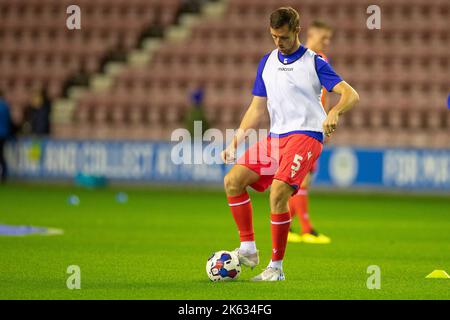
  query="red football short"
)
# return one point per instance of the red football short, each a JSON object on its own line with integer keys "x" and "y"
{"x": 288, "y": 159}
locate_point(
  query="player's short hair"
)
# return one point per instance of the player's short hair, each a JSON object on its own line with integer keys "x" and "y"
{"x": 285, "y": 16}
{"x": 319, "y": 24}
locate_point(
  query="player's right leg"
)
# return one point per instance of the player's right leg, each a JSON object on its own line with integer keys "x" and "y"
{"x": 238, "y": 179}
{"x": 236, "y": 182}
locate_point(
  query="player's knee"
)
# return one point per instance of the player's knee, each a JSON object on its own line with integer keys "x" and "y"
{"x": 276, "y": 200}
{"x": 279, "y": 200}
{"x": 233, "y": 185}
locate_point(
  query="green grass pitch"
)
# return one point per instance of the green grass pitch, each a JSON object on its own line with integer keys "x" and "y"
{"x": 156, "y": 245}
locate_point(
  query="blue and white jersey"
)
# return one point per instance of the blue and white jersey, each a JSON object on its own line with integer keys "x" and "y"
{"x": 293, "y": 87}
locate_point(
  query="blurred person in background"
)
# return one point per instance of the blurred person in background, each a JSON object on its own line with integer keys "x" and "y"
{"x": 196, "y": 112}
{"x": 318, "y": 39}
{"x": 5, "y": 133}
{"x": 37, "y": 114}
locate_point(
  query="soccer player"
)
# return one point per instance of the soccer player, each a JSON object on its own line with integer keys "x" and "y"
{"x": 318, "y": 39}
{"x": 288, "y": 84}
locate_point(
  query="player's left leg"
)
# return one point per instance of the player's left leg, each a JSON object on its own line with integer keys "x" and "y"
{"x": 280, "y": 220}
{"x": 298, "y": 153}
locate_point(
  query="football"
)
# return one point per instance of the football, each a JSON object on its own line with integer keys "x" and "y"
{"x": 223, "y": 266}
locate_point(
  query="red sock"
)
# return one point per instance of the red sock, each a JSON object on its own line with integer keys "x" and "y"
{"x": 241, "y": 208}
{"x": 298, "y": 204}
{"x": 279, "y": 226}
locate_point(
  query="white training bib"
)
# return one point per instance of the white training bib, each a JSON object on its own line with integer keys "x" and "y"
{"x": 294, "y": 94}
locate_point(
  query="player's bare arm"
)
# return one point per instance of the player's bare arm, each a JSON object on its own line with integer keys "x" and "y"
{"x": 349, "y": 97}
{"x": 253, "y": 118}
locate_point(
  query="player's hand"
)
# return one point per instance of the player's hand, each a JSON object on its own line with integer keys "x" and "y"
{"x": 229, "y": 154}
{"x": 330, "y": 123}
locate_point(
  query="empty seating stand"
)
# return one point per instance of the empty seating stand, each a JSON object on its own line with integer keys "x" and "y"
{"x": 400, "y": 71}
{"x": 37, "y": 49}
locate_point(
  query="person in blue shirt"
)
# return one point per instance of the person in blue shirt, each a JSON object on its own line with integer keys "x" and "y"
{"x": 37, "y": 114}
{"x": 5, "y": 132}
{"x": 196, "y": 113}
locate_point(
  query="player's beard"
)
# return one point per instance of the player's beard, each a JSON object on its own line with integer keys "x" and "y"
{"x": 283, "y": 50}
{"x": 286, "y": 51}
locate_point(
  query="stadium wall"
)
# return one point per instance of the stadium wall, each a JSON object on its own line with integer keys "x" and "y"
{"x": 151, "y": 161}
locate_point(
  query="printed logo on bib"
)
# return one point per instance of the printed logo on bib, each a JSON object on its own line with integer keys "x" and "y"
{"x": 285, "y": 69}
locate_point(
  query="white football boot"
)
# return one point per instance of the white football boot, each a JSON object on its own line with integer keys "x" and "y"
{"x": 248, "y": 259}
{"x": 270, "y": 274}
